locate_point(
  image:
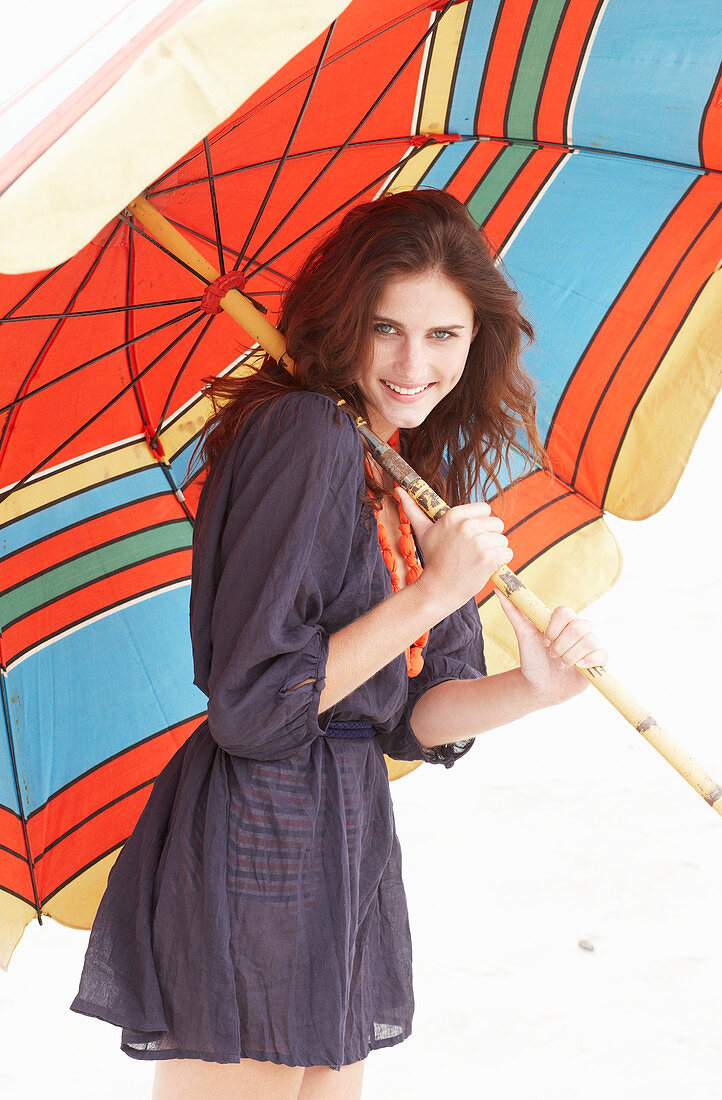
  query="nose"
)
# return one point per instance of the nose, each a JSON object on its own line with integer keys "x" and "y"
{"x": 411, "y": 360}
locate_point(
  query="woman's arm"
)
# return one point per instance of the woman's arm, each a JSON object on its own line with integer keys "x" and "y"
{"x": 369, "y": 643}
{"x": 546, "y": 676}
{"x": 459, "y": 709}
{"x": 465, "y": 548}
{"x": 461, "y": 553}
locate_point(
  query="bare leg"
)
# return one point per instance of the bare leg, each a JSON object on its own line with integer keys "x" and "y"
{"x": 322, "y": 1083}
{"x": 194, "y": 1079}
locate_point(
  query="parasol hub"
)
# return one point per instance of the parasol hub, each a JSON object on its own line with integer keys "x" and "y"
{"x": 217, "y": 290}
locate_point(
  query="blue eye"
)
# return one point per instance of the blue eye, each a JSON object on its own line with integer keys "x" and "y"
{"x": 384, "y": 328}
{"x": 442, "y": 333}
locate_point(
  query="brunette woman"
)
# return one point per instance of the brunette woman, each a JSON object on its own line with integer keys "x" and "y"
{"x": 254, "y": 936}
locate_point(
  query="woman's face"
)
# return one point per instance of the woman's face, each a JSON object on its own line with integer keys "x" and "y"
{"x": 422, "y": 329}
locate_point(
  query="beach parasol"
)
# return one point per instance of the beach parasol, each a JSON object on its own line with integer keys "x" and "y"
{"x": 538, "y": 118}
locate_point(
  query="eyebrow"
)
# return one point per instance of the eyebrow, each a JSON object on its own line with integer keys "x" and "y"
{"x": 399, "y": 324}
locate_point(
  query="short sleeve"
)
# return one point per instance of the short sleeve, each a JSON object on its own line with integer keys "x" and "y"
{"x": 455, "y": 651}
{"x": 293, "y": 502}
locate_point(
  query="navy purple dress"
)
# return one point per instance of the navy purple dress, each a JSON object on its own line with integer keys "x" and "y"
{"x": 257, "y": 910}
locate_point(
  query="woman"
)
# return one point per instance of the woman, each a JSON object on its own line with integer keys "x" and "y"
{"x": 254, "y": 935}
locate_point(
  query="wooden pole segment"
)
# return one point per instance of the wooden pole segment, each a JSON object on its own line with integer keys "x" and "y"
{"x": 235, "y": 304}
{"x": 263, "y": 332}
{"x": 535, "y": 610}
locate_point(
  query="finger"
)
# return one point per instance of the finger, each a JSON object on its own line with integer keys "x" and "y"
{"x": 417, "y": 516}
{"x": 496, "y": 549}
{"x": 488, "y": 540}
{"x": 571, "y": 635}
{"x": 586, "y": 652}
{"x": 472, "y": 511}
{"x": 596, "y": 659}
{"x": 516, "y": 617}
{"x": 503, "y": 556}
{"x": 560, "y": 618}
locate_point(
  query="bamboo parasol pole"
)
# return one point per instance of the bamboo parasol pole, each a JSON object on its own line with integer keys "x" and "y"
{"x": 263, "y": 332}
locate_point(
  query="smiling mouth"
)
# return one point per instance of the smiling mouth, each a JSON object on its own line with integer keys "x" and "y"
{"x": 404, "y": 390}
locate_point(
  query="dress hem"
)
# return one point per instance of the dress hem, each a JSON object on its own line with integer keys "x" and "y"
{"x": 87, "y": 1008}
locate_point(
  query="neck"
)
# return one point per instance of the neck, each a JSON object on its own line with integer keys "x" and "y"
{"x": 381, "y": 427}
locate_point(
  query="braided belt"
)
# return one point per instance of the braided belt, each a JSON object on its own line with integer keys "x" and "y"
{"x": 350, "y": 729}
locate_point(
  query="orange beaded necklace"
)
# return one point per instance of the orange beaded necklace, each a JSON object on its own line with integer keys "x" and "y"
{"x": 414, "y": 656}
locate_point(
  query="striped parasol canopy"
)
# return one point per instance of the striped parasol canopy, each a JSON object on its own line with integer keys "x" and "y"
{"x": 583, "y": 136}
{"x": 81, "y": 56}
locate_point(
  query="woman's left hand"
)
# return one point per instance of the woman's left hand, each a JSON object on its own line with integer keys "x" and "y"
{"x": 547, "y": 660}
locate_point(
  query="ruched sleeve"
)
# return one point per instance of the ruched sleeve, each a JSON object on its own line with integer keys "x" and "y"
{"x": 266, "y": 569}
{"x": 455, "y": 651}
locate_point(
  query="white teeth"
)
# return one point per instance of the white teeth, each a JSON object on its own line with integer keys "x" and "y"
{"x": 400, "y": 389}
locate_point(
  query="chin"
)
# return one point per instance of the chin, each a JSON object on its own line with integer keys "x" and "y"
{"x": 400, "y": 416}
{"x": 410, "y": 419}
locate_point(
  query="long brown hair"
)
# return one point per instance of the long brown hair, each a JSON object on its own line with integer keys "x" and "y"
{"x": 327, "y": 323}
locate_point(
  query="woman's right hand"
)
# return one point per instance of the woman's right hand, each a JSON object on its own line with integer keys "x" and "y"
{"x": 461, "y": 550}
